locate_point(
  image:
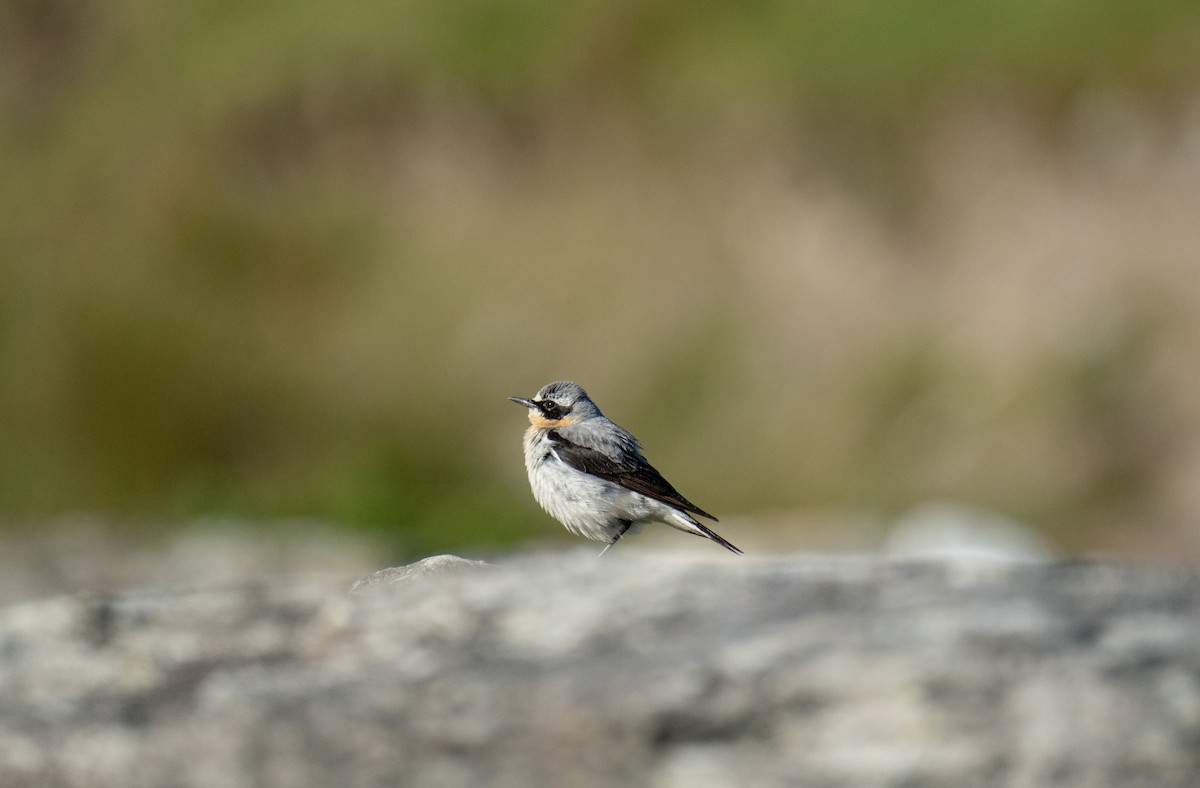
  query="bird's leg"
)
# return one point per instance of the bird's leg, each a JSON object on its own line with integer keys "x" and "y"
{"x": 625, "y": 524}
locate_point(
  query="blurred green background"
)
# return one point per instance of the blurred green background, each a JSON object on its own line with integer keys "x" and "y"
{"x": 828, "y": 260}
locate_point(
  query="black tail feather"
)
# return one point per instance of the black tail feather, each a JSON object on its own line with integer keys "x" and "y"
{"x": 713, "y": 535}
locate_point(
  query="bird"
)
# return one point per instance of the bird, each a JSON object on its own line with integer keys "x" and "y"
{"x": 589, "y": 474}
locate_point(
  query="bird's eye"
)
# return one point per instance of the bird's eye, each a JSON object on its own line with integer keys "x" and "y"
{"x": 550, "y": 407}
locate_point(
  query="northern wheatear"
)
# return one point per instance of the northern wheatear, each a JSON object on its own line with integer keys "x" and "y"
{"x": 590, "y": 475}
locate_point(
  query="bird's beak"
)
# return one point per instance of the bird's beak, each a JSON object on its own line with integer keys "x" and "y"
{"x": 524, "y": 401}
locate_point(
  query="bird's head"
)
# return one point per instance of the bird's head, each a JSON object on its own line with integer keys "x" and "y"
{"x": 558, "y": 404}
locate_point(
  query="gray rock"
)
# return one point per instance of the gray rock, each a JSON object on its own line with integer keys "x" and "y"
{"x": 648, "y": 670}
{"x": 438, "y": 564}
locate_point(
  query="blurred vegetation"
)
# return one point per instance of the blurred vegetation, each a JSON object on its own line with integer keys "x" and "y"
{"x": 283, "y": 259}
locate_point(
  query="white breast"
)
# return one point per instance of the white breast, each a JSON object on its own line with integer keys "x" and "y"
{"x": 587, "y": 505}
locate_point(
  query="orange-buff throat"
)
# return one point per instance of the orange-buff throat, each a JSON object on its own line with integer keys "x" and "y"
{"x": 543, "y": 423}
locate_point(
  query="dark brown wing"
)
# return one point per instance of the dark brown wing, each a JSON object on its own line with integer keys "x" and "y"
{"x": 630, "y": 472}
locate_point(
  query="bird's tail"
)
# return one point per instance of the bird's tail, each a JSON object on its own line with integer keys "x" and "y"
{"x": 685, "y": 522}
{"x": 716, "y": 537}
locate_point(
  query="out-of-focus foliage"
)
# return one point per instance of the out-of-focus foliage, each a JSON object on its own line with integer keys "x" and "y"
{"x": 290, "y": 258}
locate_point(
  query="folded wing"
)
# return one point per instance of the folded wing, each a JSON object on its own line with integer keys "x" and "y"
{"x": 626, "y": 468}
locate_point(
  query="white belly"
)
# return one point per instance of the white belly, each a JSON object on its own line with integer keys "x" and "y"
{"x": 588, "y": 505}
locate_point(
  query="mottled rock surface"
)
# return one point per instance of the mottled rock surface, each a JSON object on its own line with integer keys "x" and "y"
{"x": 640, "y": 670}
{"x": 418, "y": 570}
